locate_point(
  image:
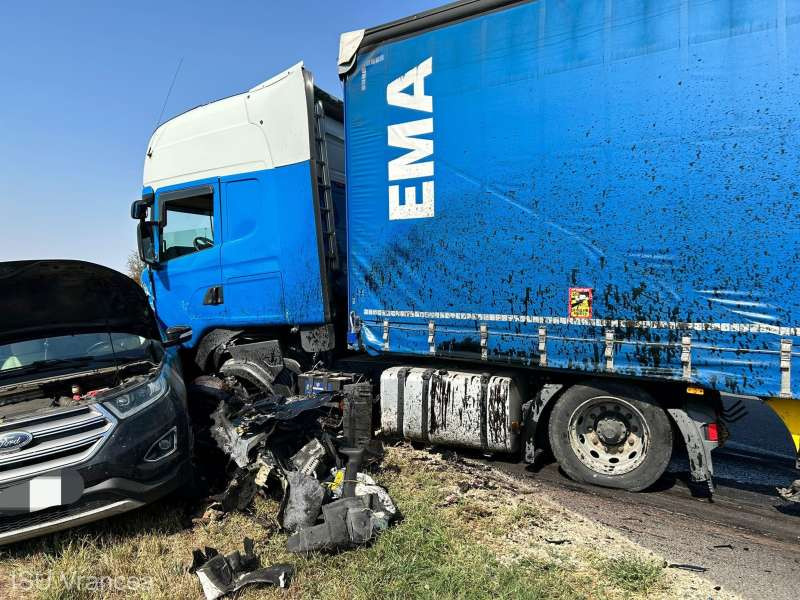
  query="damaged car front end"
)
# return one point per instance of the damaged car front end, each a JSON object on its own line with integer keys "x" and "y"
{"x": 93, "y": 415}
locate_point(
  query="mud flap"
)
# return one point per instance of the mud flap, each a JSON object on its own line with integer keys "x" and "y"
{"x": 690, "y": 421}
{"x": 532, "y": 413}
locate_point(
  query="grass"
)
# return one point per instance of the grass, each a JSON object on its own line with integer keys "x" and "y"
{"x": 634, "y": 574}
{"x": 440, "y": 550}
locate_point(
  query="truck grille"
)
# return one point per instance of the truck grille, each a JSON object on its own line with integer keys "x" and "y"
{"x": 61, "y": 439}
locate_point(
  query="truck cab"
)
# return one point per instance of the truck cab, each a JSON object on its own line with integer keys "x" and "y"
{"x": 237, "y": 217}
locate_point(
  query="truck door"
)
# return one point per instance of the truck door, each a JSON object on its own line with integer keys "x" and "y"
{"x": 188, "y": 283}
{"x": 251, "y": 266}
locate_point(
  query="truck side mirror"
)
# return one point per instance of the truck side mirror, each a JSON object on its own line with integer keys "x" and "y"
{"x": 147, "y": 244}
{"x": 138, "y": 210}
{"x": 175, "y": 336}
{"x": 139, "y": 207}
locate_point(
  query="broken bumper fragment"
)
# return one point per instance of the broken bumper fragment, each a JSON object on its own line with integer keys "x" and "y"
{"x": 220, "y": 575}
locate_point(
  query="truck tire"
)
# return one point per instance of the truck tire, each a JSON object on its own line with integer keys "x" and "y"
{"x": 610, "y": 435}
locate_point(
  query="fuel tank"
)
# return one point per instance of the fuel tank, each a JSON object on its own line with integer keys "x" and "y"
{"x": 452, "y": 408}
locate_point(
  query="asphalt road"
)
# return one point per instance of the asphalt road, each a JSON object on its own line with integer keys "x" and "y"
{"x": 746, "y": 540}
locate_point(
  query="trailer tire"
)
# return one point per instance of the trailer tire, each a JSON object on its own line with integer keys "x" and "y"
{"x": 611, "y": 435}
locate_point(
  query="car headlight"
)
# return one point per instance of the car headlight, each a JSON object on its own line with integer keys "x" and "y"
{"x": 136, "y": 399}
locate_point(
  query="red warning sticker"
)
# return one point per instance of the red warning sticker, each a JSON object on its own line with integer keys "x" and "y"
{"x": 580, "y": 303}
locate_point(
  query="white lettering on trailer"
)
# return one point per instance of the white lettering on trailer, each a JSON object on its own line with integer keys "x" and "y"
{"x": 406, "y": 166}
{"x": 403, "y": 135}
{"x": 395, "y": 95}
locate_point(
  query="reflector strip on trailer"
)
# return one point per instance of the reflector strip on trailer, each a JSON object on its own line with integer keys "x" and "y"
{"x": 540, "y": 320}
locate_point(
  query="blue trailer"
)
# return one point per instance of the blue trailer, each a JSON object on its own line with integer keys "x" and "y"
{"x": 611, "y": 187}
{"x": 568, "y": 224}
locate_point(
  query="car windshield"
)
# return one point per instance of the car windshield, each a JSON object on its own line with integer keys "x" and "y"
{"x": 90, "y": 348}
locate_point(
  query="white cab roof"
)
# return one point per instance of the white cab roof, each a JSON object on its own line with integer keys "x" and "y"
{"x": 264, "y": 128}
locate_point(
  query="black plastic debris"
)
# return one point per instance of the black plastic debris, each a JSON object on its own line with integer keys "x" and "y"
{"x": 255, "y": 415}
{"x": 692, "y": 568}
{"x": 310, "y": 459}
{"x": 792, "y": 493}
{"x": 220, "y": 575}
{"x": 305, "y": 497}
{"x": 357, "y": 417}
{"x": 242, "y": 427}
{"x": 364, "y": 486}
{"x": 240, "y": 490}
{"x": 348, "y": 522}
{"x": 355, "y": 456}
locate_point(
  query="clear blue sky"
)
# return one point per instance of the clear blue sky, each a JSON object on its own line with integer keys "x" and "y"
{"x": 82, "y": 84}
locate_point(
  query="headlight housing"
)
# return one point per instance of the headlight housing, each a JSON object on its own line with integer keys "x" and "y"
{"x": 140, "y": 397}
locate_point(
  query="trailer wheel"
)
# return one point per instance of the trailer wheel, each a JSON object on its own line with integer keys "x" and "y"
{"x": 610, "y": 435}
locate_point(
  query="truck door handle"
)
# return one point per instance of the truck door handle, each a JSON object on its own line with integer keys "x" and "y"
{"x": 214, "y": 296}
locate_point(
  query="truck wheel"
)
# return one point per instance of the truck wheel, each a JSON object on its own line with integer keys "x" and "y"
{"x": 610, "y": 435}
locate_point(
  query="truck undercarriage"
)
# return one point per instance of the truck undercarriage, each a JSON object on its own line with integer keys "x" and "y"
{"x": 607, "y": 431}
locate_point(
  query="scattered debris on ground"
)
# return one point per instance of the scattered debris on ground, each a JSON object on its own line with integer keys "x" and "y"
{"x": 692, "y": 568}
{"x": 490, "y": 542}
{"x": 792, "y": 493}
{"x": 294, "y": 448}
{"x": 302, "y": 484}
{"x": 220, "y": 575}
{"x": 519, "y": 523}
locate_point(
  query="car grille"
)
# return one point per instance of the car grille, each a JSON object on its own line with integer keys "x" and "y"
{"x": 61, "y": 438}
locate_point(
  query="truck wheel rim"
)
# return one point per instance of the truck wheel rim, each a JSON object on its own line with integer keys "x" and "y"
{"x": 609, "y": 435}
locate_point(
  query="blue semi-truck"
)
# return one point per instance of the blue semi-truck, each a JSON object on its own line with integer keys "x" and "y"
{"x": 563, "y": 226}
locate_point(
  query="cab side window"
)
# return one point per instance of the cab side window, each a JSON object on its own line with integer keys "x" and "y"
{"x": 189, "y": 226}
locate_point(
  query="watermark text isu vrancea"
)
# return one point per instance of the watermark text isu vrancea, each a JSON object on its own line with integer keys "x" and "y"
{"x": 26, "y": 581}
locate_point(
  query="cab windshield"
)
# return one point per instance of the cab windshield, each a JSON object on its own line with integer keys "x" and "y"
{"x": 89, "y": 349}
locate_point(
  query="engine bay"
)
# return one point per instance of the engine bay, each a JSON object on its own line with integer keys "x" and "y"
{"x": 46, "y": 393}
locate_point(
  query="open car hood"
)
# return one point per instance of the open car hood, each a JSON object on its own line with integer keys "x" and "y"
{"x": 47, "y": 298}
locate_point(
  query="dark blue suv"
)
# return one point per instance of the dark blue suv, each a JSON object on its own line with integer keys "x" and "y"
{"x": 93, "y": 415}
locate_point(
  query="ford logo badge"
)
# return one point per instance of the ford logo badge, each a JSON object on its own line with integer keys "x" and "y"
{"x": 14, "y": 440}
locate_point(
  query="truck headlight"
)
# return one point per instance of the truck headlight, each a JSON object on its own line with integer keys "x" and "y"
{"x": 138, "y": 398}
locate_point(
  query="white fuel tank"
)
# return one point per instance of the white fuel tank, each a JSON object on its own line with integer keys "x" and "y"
{"x": 452, "y": 408}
